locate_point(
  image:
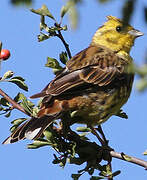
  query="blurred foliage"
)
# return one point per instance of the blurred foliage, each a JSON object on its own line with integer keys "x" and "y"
{"x": 145, "y": 14}
{"x": 22, "y": 2}
{"x": 145, "y": 153}
{"x": 127, "y": 10}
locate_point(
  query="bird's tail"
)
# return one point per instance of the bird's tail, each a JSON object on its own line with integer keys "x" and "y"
{"x": 31, "y": 129}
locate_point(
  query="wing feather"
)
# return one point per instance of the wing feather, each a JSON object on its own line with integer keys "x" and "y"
{"x": 94, "y": 65}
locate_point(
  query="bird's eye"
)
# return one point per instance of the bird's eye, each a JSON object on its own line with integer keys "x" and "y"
{"x": 118, "y": 28}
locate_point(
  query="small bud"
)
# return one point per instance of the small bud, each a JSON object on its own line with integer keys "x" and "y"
{"x": 64, "y": 28}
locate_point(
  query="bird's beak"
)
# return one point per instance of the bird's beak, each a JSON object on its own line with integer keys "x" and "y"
{"x": 135, "y": 33}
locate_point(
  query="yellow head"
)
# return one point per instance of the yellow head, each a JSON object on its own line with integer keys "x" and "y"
{"x": 116, "y": 35}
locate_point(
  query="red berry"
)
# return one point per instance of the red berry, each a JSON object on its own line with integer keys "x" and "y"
{"x": 4, "y": 54}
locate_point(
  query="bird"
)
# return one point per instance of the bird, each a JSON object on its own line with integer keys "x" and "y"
{"x": 93, "y": 86}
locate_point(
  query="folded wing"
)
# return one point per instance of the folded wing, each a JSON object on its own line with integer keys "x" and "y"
{"x": 93, "y": 65}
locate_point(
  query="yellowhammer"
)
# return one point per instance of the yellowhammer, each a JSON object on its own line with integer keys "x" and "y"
{"x": 95, "y": 83}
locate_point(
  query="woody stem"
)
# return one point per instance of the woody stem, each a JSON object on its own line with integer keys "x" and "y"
{"x": 11, "y": 101}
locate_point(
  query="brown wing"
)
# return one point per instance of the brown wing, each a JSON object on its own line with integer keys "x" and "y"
{"x": 94, "y": 65}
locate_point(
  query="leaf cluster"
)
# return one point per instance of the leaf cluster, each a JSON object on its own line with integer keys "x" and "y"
{"x": 76, "y": 149}
{"x": 142, "y": 73}
{"x": 21, "y": 2}
{"x": 52, "y": 30}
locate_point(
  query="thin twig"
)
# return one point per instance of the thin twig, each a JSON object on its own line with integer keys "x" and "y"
{"x": 10, "y": 100}
{"x": 64, "y": 42}
{"x": 131, "y": 159}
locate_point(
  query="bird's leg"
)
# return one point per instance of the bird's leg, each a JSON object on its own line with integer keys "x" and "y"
{"x": 99, "y": 129}
{"x": 65, "y": 120}
{"x": 94, "y": 132}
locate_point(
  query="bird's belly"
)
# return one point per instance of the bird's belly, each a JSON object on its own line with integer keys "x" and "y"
{"x": 96, "y": 107}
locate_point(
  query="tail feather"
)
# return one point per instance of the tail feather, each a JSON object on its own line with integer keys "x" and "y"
{"x": 31, "y": 129}
{"x": 37, "y": 127}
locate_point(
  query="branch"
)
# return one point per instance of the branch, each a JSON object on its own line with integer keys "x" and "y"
{"x": 63, "y": 41}
{"x": 131, "y": 159}
{"x": 14, "y": 104}
{"x": 117, "y": 155}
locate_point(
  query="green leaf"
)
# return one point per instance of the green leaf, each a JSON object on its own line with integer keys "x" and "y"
{"x": 35, "y": 111}
{"x": 104, "y": 170}
{"x": 19, "y": 78}
{"x": 54, "y": 64}
{"x": 116, "y": 173}
{"x": 48, "y": 134}
{"x": 64, "y": 9}
{"x": 83, "y": 136}
{"x": 26, "y": 106}
{"x": 73, "y": 152}
{"x": 25, "y": 103}
{"x": 43, "y": 11}
{"x": 62, "y": 162}
{"x": 74, "y": 160}
{"x": 41, "y": 37}
{"x": 97, "y": 177}
{"x": 31, "y": 146}
{"x": 63, "y": 57}
{"x": 76, "y": 176}
{"x": 43, "y": 26}
{"x": 4, "y": 102}
{"x": 19, "y": 81}
{"x": 39, "y": 143}
{"x": 142, "y": 84}
{"x": 8, "y": 114}
{"x": 19, "y": 97}
{"x": 83, "y": 129}
{"x": 90, "y": 171}
{"x": 7, "y": 75}
{"x": 56, "y": 160}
